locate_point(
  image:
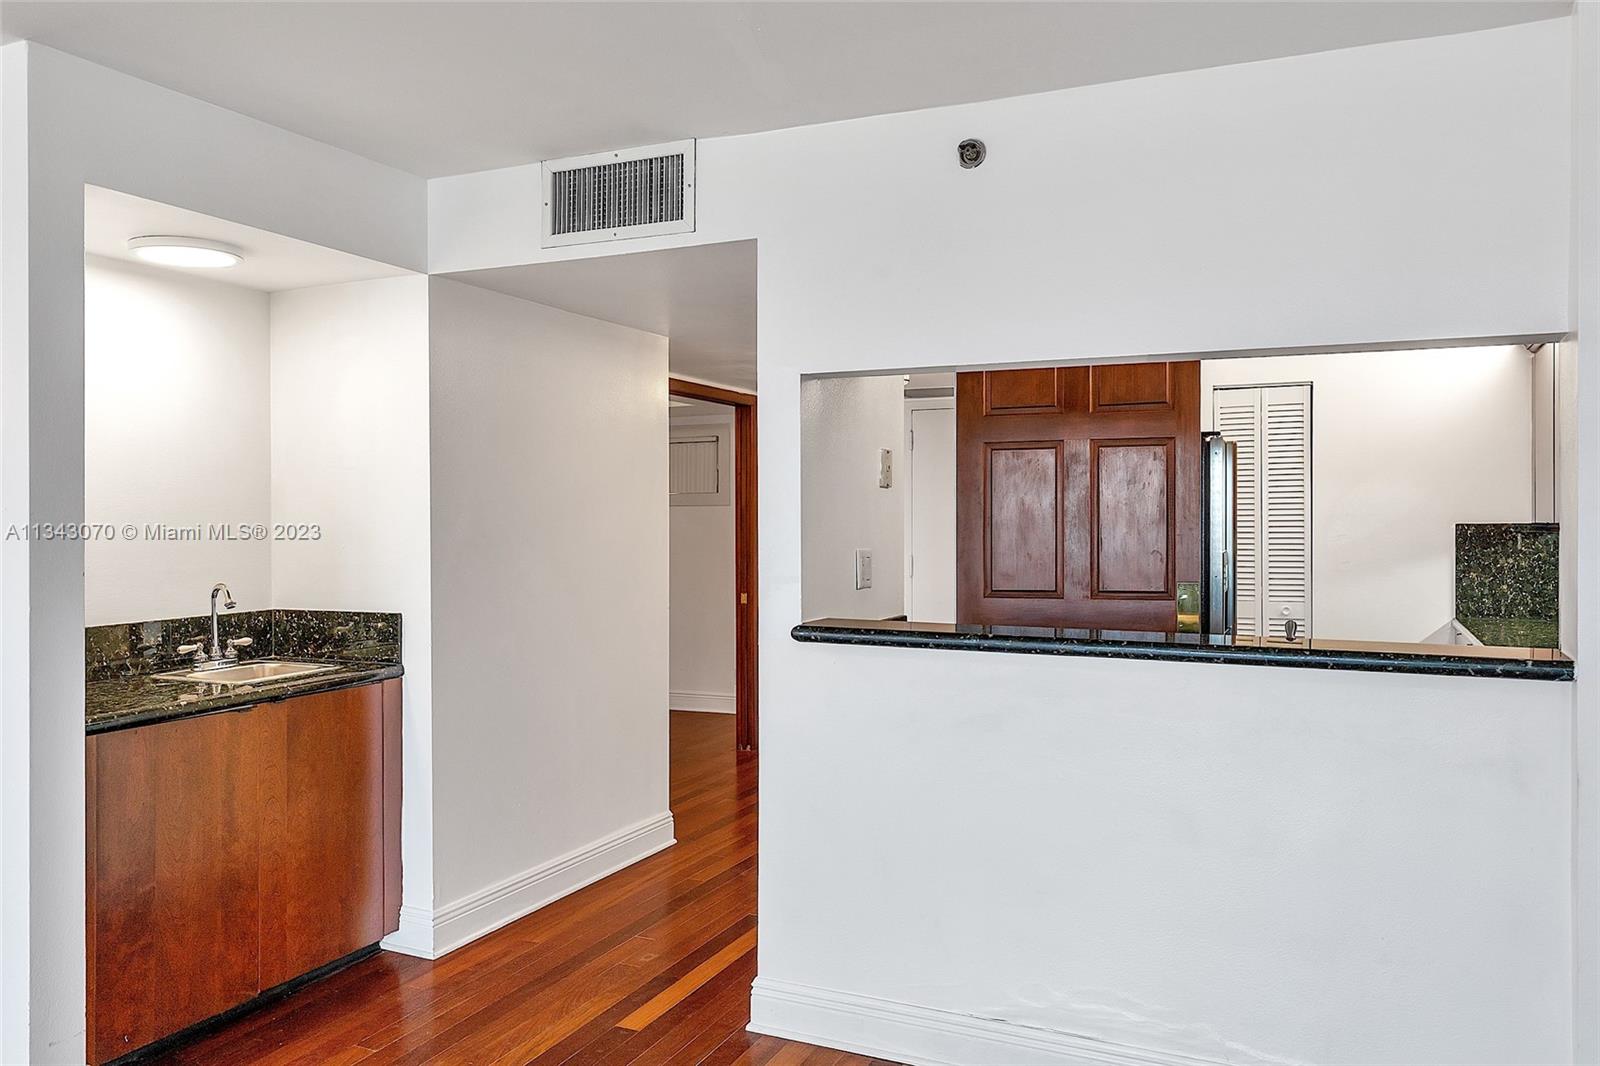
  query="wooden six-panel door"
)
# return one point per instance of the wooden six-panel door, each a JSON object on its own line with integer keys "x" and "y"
{"x": 1077, "y": 495}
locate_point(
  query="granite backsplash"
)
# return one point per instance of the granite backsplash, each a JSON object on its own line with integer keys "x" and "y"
{"x": 1509, "y": 571}
{"x": 132, "y": 648}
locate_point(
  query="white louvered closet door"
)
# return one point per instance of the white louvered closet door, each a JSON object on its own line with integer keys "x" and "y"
{"x": 1271, "y": 428}
{"x": 1286, "y": 508}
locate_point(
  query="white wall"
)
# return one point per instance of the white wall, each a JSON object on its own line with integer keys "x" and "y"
{"x": 175, "y": 433}
{"x": 350, "y": 455}
{"x": 844, "y": 422}
{"x": 67, "y": 122}
{"x": 1403, "y": 446}
{"x": 703, "y": 660}
{"x": 1373, "y": 196}
{"x": 1584, "y": 548}
{"x": 1565, "y": 470}
{"x": 550, "y": 559}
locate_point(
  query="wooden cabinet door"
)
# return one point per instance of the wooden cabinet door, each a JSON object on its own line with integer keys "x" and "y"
{"x": 174, "y": 852}
{"x": 1077, "y": 495}
{"x": 323, "y": 870}
{"x": 231, "y": 852}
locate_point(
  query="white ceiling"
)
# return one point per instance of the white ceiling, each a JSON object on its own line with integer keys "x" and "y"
{"x": 702, "y": 297}
{"x": 447, "y": 88}
{"x": 272, "y": 262}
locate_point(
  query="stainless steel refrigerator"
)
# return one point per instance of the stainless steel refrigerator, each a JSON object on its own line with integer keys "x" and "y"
{"x": 1218, "y": 596}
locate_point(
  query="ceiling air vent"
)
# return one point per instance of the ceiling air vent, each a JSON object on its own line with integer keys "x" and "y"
{"x": 634, "y": 192}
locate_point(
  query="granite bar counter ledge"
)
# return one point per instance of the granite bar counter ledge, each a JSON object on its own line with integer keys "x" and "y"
{"x": 1543, "y": 664}
{"x": 121, "y": 662}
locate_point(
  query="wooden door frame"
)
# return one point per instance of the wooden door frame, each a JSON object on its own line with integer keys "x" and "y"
{"x": 744, "y": 545}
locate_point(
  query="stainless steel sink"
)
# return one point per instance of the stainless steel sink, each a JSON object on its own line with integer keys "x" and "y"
{"x": 261, "y": 670}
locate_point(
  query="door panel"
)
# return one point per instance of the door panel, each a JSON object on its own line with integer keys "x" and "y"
{"x": 1016, "y": 392}
{"x": 1286, "y": 508}
{"x": 122, "y": 932}
{"x": 207, "y": 848}
{"x": 328, "y": 781}
{"x": 1131, "y": 387}
{"x": 1085, "y": 514}
{"x": 1132, "y": 524}
{"x": 175, "y": 854}
{"x": 1023, "y": 515}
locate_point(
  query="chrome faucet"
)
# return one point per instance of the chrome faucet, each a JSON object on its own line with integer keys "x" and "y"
{"x": 219, "y": 589}
{"x": 218, "y": 655}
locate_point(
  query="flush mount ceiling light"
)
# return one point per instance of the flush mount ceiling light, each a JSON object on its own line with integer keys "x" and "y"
{"x": 192, "y": 252}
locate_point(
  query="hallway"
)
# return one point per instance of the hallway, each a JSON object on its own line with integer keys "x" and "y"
{"x": 651, "y": 965}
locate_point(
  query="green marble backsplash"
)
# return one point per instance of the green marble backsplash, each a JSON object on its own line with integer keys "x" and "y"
{"x": 152, "y": 647}
{"x": 1508, "y": 571}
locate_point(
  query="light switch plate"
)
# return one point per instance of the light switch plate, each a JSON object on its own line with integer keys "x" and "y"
{"x": 863, "y": 568}
{"x": 885, "y": 468}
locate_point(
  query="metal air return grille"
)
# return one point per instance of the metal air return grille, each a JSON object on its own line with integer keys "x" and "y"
{"x": 634, "y": 192}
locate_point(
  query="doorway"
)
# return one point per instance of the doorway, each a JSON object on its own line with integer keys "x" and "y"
{"x": 743, "y": 492}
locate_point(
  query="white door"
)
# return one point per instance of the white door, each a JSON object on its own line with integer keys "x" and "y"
{"x": 1271, "y": 428}
{"x": 931, "y": 586}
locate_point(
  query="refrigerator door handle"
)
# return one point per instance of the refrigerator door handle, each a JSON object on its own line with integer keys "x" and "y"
{"x": 1229, "y": 601}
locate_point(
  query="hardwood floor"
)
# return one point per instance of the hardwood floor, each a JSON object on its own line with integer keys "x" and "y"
{"x": 650, "y": 966}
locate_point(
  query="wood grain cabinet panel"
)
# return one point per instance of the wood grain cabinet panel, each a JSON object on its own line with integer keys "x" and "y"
{"x": 230, "y": 852}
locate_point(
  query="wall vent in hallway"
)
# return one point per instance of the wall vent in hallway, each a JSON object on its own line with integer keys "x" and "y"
{"x": 633, "y": 192}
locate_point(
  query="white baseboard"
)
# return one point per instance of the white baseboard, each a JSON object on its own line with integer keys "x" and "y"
{"x": 715, "y": 702}
{"x": 415, "y": 935}
{"x": 925, "y": 1036}
{"x": 474, "y": 915}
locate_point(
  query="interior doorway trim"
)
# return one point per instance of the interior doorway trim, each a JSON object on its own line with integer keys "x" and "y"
{"x": 744, "y": 545}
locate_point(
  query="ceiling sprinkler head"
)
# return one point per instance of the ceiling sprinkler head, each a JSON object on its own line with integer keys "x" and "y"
{"x": 971, "y": 153}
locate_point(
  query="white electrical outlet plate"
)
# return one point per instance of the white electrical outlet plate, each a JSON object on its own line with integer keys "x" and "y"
{"x": 863, "y": 568}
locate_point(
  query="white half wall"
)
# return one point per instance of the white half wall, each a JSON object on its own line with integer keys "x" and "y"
{"x": 350, "y": 456}
{"x": 550, "y": 561}
{"x": 67, "y": 123}
{"x": 703, "y": 654}
{"x": 1404, "y": 445}
{"x": 844, "y": 423}
{"x": 1113, "y": 865}
{"x": 175, "y": 401}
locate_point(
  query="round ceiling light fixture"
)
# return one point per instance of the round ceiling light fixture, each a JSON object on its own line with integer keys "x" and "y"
{"x": 191, "y": 252}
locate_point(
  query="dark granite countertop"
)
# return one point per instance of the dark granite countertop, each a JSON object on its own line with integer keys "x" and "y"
{"x": 1518, "y": 632}
{"x": 121, "y": 661}
{"x": 142, "y": 699}
{"x": 1464, "y": 660}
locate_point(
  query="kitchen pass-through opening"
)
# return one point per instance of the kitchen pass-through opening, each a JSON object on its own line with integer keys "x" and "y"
{"x": 1408, "y": 498}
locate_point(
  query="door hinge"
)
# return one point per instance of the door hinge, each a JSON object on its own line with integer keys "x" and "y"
{"x": 744, "y": 599}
